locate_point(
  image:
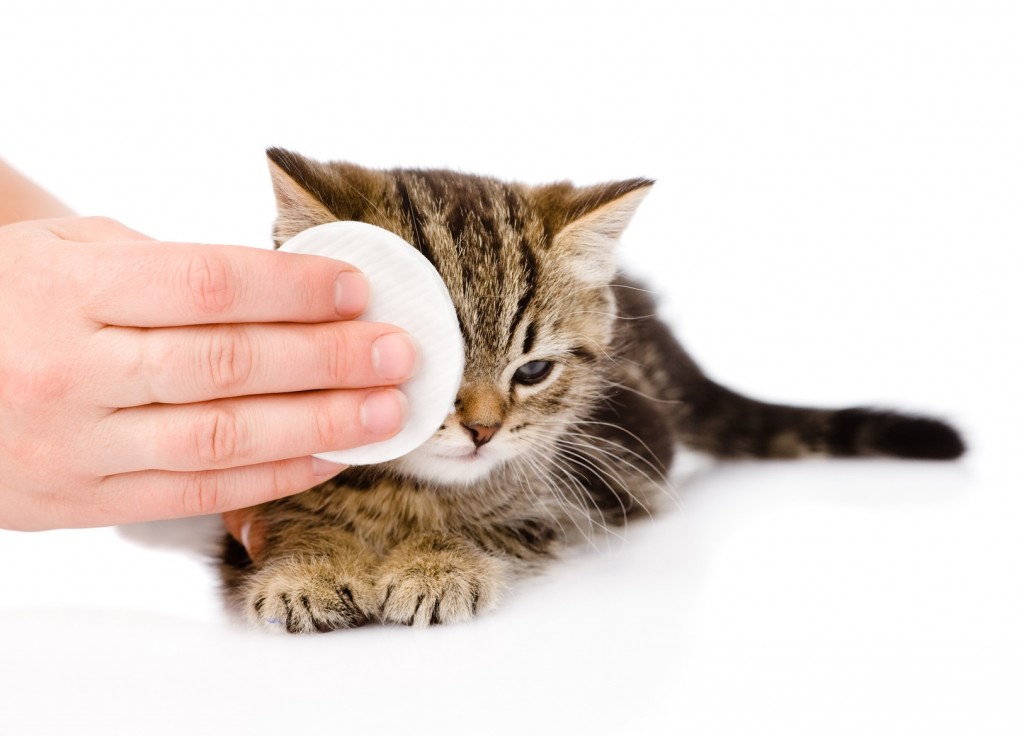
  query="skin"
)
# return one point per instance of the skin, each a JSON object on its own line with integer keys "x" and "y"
{"x": 145, "y": 380}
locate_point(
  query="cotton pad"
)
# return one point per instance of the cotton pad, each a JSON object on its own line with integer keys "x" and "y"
{"x": 406, "y": 291}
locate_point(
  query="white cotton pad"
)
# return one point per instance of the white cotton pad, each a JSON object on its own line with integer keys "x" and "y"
{"x": 408, "y": 292}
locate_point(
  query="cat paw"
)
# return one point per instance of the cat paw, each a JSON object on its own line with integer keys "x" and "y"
{"x": 436, "y": 582}
{"x": 306, "y": 597}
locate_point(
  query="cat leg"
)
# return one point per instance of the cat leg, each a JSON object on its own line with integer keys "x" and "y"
{"x": 433, "y": 578}
{"x": 320, "y": 580}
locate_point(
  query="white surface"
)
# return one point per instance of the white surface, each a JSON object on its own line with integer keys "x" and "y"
{"x": 408, "y": 292}
{"x": 837, "y": 220}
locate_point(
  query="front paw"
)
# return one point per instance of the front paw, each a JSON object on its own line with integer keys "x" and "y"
{"x": 307, "y": 596}
{"x": 433, "y": 580}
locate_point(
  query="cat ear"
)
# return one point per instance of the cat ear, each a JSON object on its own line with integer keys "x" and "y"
{"x": 586, "y": 223}
{"x": 299, "y": 187}
{"x": 311, "y": 193}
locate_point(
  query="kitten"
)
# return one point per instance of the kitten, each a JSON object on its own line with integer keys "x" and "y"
{"x": 573, "y": 400}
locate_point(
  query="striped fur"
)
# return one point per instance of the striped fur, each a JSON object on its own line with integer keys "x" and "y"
{"x": 522, "y": 466}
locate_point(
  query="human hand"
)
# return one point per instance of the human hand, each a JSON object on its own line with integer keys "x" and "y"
{"x": 143, "y": 380}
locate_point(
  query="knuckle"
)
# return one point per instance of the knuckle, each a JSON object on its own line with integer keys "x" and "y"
{"x": 217, "y": 437}
{"x": 210, "y": 283}
{"x": 336, "y": 349}
{"x": 201, "y": 493}
{"x": 101, "y": 221}
{"x": 280, "y": 482}
{"x": 228, "y": 359}
{"x": 311, "y": 290}
{"x": 35, "y": 386}
{"x": 28, "y": 452}
{"x": 326, "y": 426}
{"x": 156, "y": 362}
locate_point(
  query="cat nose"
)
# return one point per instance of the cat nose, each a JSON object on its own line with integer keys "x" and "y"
{"x": 481, "y": 433}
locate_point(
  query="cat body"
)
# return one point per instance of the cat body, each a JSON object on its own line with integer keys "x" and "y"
{"x": 573, "y": 400}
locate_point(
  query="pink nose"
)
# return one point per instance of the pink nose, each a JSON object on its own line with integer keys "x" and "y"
{"x": 481, "y": 433}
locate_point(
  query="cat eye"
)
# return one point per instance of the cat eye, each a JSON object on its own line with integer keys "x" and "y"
{"x": 533, "y": 372}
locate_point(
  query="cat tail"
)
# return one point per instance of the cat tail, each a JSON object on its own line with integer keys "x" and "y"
{"x": 728, "y": 425}
{"x": 713, "y": 419}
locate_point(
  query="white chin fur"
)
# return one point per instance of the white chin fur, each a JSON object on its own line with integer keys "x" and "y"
{"x": 428, "y": 466}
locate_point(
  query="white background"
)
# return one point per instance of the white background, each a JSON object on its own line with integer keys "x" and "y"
{"x": 837, "y": 221}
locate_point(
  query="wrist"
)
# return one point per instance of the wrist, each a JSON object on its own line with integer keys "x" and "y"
{"x": 22, "y": 199}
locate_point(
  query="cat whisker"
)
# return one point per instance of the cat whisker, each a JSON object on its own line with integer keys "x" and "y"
{"x": 628, "y": 433}
{"x": 599, "y": 467}
{"x": 649, "y": 397}
{"x": 584, "y": 441}
{"x": 613, "y": 315}
{"x": 599, "y": 455}
{"x": 595, "y": 518}
{"x": 559, "y": 497}
{"x": 615, "y": 451}
{"x": 583, "y": 499}
{"x": 515, "y": 465}
{"x": 630, "y": 287}
{"x": 594, "y": 458}
{"x": 575, "y": 458}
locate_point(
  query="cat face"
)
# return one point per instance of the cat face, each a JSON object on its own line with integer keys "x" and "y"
{"x": 532, "y": 371}
{"x": 528, "y": 269}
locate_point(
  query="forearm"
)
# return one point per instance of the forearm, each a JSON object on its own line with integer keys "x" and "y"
{"x": 22, "y": 199}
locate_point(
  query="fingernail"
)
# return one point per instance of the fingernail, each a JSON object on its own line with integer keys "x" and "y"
{"x": 394, "y": 357}
{"x": 325, "y": 468}
{"x": 383, "y": 412}
{"x": 351, "y": 294}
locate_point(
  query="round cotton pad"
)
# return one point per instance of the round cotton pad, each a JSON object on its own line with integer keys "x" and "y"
{"x": 408, "y": 292}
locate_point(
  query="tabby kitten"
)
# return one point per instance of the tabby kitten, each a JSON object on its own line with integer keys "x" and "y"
{"x": 573, "y": 400}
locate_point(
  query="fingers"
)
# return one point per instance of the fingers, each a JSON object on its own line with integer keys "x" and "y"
{"x": 124, "y": 278}
{"x": 132, "y": 497}
{"x": 186, "y": 365}
{"x": 236, "y": 432}
{"x": 173, "y": 284}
